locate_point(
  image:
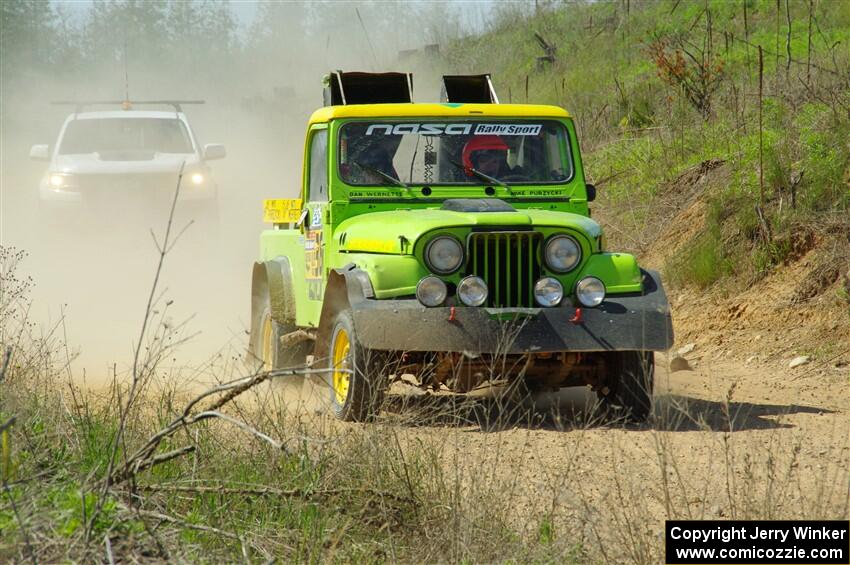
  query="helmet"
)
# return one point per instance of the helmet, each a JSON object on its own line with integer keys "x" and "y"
{"x": 481, "y": 143}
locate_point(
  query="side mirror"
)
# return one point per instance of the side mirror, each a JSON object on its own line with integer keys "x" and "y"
{"x": 40, "y": 152}
{"x": 214, "y": 151}
{"x": 591, "y": 192}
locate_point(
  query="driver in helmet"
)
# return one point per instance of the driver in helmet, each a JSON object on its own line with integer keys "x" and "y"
{"x": 373, "y": 160}
{"x": 489, "y": 155}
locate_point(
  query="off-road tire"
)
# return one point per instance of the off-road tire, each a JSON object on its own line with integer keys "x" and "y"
{"x": 631, "y": 376}
{"x": 363, "y": 397}
{"x": 266, "y": 352}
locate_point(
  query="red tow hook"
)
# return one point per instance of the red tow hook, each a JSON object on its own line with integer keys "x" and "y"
{"x": 452, "y": 314}
{"x": 577, "y": 319}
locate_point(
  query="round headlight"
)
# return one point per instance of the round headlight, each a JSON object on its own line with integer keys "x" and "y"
{"x": 197, "y": 178}
{"x": 444, "y": 255}
{"x": 472, "y": 291}
{"x": 590, "y": 291}
{"x": 548, "y": 292}
{"x": 57, "y": 180}
{"x": 431, "y": 291}
{"x": 562, "y": 253}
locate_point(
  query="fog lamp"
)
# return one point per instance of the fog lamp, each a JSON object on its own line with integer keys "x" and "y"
{"x": 431, "y": 291}
{"x": 548, "y": 292}
{"x": 590, "y": 291}
{"x": 472, "y": 291}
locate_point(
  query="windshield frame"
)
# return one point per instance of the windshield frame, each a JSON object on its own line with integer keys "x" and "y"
{"x": 565, "y": 142}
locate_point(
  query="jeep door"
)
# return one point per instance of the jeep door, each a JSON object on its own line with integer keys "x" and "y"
{"x": 316, "y": 203}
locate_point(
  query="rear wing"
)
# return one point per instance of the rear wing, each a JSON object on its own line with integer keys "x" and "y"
{"x": 126, "y": 104}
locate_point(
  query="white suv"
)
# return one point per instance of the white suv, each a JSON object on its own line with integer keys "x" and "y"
{"x": 127, "y": 155}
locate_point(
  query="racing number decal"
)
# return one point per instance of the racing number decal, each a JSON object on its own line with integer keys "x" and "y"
{"x": 314, "y": 255}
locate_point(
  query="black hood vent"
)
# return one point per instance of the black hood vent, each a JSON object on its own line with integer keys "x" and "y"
{"x": 468, "y": 89}
{"x": 346, "y": 88}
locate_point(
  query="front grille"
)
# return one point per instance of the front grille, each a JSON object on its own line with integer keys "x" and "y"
{"x": 508, "y": 262}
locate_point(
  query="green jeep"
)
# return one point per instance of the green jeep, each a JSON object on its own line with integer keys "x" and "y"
{"x": 451, "y": 241}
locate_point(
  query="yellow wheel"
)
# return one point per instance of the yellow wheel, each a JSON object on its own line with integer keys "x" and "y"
{"x": 357, "y": 376}
{"x": 341, "y": 376}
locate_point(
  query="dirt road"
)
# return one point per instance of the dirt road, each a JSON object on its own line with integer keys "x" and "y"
{"x": 727, "y": 440}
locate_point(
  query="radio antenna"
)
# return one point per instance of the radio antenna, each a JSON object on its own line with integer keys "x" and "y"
{"x": 369, "y": 41}
{"x": 126, "y": 75}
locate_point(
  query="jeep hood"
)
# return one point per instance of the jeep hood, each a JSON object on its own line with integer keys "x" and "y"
{"x": 383, "y": 232}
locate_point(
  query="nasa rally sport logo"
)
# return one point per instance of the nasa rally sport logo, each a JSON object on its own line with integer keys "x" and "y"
{"x": 454, "y": 129}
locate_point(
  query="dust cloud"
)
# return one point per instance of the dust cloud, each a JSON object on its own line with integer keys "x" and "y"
{"x": 94, "y": 266}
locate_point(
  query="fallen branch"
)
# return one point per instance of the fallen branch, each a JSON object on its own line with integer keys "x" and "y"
{"x": 141, "y": 459}
{"x": 241, "y": 425}
{"x": 152, "y": 462}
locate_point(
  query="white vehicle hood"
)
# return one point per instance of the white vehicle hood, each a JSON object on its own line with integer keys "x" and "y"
{"x": 118, "y": 164}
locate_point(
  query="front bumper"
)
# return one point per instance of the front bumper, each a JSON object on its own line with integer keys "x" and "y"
{"x": 620, "y": 323}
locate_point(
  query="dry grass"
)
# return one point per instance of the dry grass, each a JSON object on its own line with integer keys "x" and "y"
{"x": 431, "y": 480}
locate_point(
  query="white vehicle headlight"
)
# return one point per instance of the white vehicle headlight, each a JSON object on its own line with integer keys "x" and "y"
{"x": 548, "y": 292}
{"x": 444, "y": 255}
{"x": 590, "y": 291}
{"x": 472, "y": 291}
{"x": 431, "y": 291}
{"x": 562, "y": 253}
{"x": 197, "y": 178}
{"x": 57, "y": 180}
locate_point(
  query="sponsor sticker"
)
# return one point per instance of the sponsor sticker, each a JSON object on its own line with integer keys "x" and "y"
{"x": 508, "y": 129}
{"x": 453, "y": 129}
{"x": 421, "y": 129}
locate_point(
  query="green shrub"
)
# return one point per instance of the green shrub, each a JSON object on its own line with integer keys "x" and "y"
{"x": 699, "y": 262}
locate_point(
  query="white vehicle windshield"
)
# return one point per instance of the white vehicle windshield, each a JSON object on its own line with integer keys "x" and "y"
{"x": 435, "y": 152}
{"x": 103, "y": 135}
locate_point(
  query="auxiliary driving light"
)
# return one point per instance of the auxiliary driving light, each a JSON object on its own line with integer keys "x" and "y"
{"x": 197, "y": 178}
{"x": 472, "y": 291}
{"x": 590, "y": 291}
{"x": 548, "y": 292}
{"x": 431, "y": 291}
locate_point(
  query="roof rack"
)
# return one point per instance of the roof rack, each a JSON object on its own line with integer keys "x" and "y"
{"x": 346, "y": 88}
{"x": 469, "y": 89}
{"x": 126, "y": 104}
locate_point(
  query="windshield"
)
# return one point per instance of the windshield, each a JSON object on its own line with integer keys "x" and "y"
{"x": 160, "y": 135}
{"x": 454, "y": 152}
